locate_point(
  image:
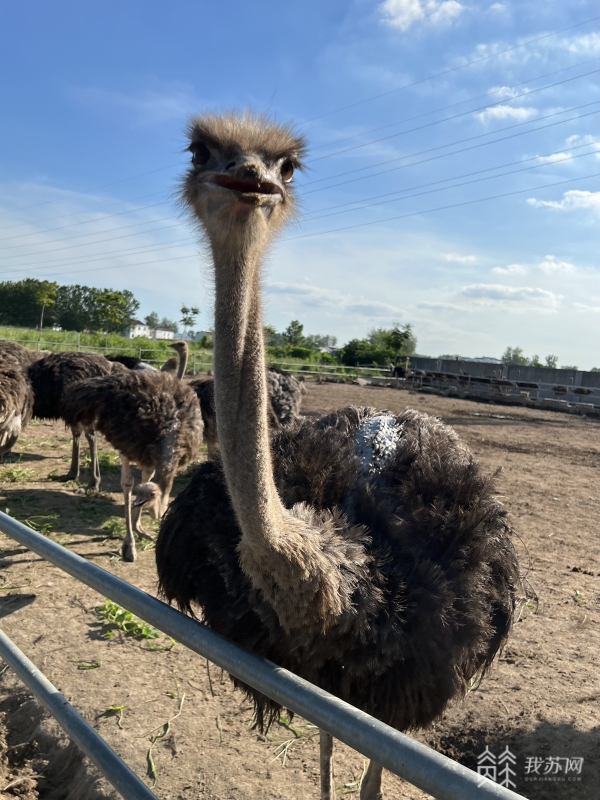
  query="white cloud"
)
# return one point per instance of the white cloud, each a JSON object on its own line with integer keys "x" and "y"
{"x": 505, "y": 91}
{"x": 511, "y": 269}
{"x": 498, "y": 7}
{"x": 506, "y": 112}
{"x": 317, "y": 296}
{"x": 458, "y": 258}
{"x": 552, "y": 159}
{"x": 551, "y": 266}
{"x": 402, "y": 14}
{"x": 554, "y": 48}
{"x": 585, "y": 307}
{"x": 573, "y": 199}
{"x": 441, "y": 307}
{"x": 492, "y": 294}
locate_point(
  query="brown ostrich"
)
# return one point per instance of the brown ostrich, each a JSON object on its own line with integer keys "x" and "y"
{"x": 177, "y": 365}
{"x": 50, "y": 377}
{"x": 16, "y": 401}
{"x": 153, "y": 420}
{"x": 285, "y": 397}
{"x": 364, "y": 551}
{"x": 22, "y": 355}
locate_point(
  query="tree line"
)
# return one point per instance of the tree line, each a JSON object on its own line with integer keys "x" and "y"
{"x": 380, "y": 347}
{"x": 32, "y": 303}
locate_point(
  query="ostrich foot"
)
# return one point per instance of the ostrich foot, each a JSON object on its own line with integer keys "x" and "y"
{"x": 370, "y": 788}
{"x": 94, "y": 484}
{"x": 326, "y": 769}
{"x": 128, "y": 549}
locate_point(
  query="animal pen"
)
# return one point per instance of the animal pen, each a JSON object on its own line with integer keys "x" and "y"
{"x": 416, "y": 763}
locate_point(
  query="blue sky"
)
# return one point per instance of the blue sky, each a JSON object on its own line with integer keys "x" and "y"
{"x": 405, "y": 225}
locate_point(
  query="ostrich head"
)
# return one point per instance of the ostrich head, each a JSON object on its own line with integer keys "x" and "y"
{"x": 240, "y": 184}
{"x": 148, "y": 495}
{"x": 180, "y": 346}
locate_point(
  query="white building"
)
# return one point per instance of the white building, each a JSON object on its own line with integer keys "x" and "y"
{"x": 138, "y": 329}
{"x": 199, "y": 335}
{"x": 141, "y": 329}
{"x": 162, "y": 333}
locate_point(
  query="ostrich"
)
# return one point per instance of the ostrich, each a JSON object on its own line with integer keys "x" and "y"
{"x": 16, "y": 401}
{"x": 22, "y": 355}
{"x": 50, "y": 377}
{"x": 364, "y": 551}
{"x": 285, "y": 397}
{"x": 153, "y": 420}
{"x": 131, "y": 362}
{"x": 177, "y": 365}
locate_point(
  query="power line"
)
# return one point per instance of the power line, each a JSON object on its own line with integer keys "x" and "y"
{"x": 93, "y": 189}
{"x": 139, "y": 250}
{"x": 364, "y": 224}
{"x": 403, "y": 166}
{"x": 86, "y": 222}
{"x": 452, "y": 105}
{"x": 99, "y": 208}
{"x": 452, "y": 69}
{"x": 407, "y": 197}
{"x": 454, "y": 152}
{"x": 455, "y": 116}
{"x": 445, "y": 180}
{"x": 440, "y": 208}
{"x": 437, "y": 122}
{"x": 94, "y": 233}
{"x": 87, "y": 244}
{"x": 318, "y": 147}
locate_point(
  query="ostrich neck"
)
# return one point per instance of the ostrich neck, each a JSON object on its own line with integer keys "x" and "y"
{"x": 241, "y": 396}
{"x": 183, "y": 360}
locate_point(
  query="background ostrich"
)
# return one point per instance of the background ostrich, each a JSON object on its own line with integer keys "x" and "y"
{"x": 50, "y": 377}
{"x": 153, "y": 420}
{"x": 177, "y": 365}
{"x": 364, "y": 551}
{"x": 16, "y": 401}
{"x": 22, "y": 355}
{"x": 284, "y": 393}
{"x": 131, "y": 362}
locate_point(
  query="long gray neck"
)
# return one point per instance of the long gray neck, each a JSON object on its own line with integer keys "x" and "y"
{"x": 241, "y": 394}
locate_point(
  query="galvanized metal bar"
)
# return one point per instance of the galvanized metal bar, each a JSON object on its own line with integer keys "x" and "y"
{"x": 125, "y": 781}
{"x": 418, "y": 764}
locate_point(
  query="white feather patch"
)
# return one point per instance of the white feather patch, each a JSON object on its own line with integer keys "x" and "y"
{"x": 376, "y": 442}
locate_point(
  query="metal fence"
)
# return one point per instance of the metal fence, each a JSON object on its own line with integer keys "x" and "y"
{"x": 420, "y": 765}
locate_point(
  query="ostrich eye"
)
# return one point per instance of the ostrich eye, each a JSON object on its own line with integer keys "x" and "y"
{"x": 287, "y": 171}
{"x": 200, "y": 154}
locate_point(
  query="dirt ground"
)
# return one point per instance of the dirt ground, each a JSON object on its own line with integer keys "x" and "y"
{"x": 540, "y": 700}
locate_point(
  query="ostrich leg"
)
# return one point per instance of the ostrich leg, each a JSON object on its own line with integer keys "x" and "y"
{"x": 371, "y": 786}
{"x": 73, "y": 472}
{"x": 325, "y": 757}
{"x": 136, "y": 513}
{"x": 128, "y": 546}
{"x": 94, "y": 482}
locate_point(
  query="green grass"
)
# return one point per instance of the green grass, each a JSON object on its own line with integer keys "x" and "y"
{"x": 15, "y": 475}
{"x": 113, "y": 343}
{"x": 117, "y": 618}
{"x": 108, "y": 462}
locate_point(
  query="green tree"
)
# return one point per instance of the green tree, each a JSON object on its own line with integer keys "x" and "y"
{"x": 534, "y": 361}
{"x": 169, "y": 323}
{"x": 552, "y": 361}
{"x": 514, "y": 356}
{"x": 152, "y": 320}
{"x": 45, "y": 296}
{"x": 397, "y": 341}
{"x": 293, "y": 333}
{"x": 188, "y": 317}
